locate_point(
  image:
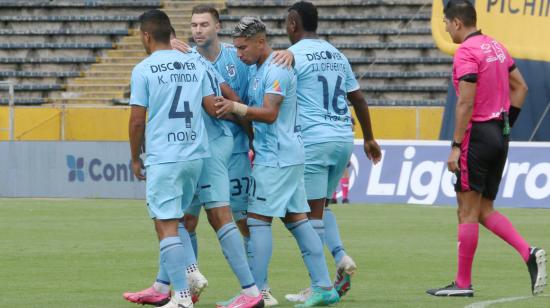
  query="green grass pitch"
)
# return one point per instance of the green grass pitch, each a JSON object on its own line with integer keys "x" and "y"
{"x": 85, "y": 253}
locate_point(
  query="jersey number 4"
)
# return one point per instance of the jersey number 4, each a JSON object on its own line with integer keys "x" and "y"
{"x": 185, "y": 114}
{"x": 337, "y": 93}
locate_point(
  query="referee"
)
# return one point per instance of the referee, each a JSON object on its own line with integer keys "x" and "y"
{"x": 491, "y": 92}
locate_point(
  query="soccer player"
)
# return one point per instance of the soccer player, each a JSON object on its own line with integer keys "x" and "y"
{"x": 277, "y": 177}
{"x": 205, "y": 25}
{"x": 491, "y": 92}
{"x": 213, "y": 194}
{"x": 325, "y": 80}
{"x": 168, "y": 92}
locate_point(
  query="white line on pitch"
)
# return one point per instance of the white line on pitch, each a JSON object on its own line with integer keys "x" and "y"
{"x": 501, "y": 300}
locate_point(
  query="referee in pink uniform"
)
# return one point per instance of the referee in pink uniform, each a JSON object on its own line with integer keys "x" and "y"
{"x": 491, "y": 92}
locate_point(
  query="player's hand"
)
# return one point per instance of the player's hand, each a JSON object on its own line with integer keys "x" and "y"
{"x": 452, "y": 162}
{"x": 372, "y": 149}
{"x": 283, "y": 58}
{"x": 180, "y": 46}
{"x": 137, "y": 167}
{"x": 223, "y": 106}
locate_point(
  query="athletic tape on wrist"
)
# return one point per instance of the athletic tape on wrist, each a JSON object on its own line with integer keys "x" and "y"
{"x": 240, "y": 109}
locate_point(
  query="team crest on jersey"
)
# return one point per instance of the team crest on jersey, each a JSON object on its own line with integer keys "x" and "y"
{"x": 231, "y": 71}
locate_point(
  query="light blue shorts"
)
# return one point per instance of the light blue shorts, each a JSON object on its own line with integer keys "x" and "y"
{"x": 239, "y": 184}
{"x": 170, "y": 188}
{"x": 325, "y": 164}
{"x": 277, "y": 191}
{"x": 213, "y": 186}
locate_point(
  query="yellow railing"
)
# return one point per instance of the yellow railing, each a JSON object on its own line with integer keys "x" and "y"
{"x": 110, "y": 123}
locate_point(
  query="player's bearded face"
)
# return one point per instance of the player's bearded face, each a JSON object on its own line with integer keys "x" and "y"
{"x": 204, "y": 29}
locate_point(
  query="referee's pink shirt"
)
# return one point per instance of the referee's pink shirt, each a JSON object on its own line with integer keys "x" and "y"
{"x": 480, "y": 55}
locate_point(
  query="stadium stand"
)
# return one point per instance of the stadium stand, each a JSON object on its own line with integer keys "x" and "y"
{"x": 82, "y": 52}
{"x": 45, "y": 45}
{"x": 389, "y": 44}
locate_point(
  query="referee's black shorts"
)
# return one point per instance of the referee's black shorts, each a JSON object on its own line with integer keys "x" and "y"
{"x": 482, "y": 158}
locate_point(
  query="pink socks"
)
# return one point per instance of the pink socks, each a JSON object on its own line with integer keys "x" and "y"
{"x": 344, "y": 182}
{"x": 467, "y": 243}
{"x": 503, "y": 228}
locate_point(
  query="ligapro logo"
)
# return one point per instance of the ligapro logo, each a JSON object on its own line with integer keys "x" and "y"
{"x": 96, "y": 170}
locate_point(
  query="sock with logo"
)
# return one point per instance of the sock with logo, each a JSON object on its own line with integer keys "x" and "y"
{"x": 172, "y": 257}
{"x": 468, "y": 235}
{"x": 503, "y": 228}
{"x": 232, "y": 247}
{"x": 332, "y": 236}
{"x": 261, "y": 242}
{"x": 312, "y": 252}
{"x": 344, "y": 183}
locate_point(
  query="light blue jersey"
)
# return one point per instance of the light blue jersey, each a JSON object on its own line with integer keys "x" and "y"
{"x": 215, "y": 127}
{"x": 171, "y": 85}
{"x": 235, "y": 73}
{"x": 324, "y": 78}
{"x": 278, "y": 144}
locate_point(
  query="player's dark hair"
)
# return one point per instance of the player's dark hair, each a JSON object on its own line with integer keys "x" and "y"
{"x": 308, "y": 14}
{"x": 172, "y": 31}
{"x": 463, "y": 10}
{"x": 206, "y": 8}
{"x": 156, "y": 23}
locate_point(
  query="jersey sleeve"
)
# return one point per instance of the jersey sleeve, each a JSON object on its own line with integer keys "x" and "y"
{"x": 351, "y": 82}
{"x": 138, "y": 88}
{"x": 209, "y": 87}
{"x": 466, "y": 65}
{"x": 277, "y": 80}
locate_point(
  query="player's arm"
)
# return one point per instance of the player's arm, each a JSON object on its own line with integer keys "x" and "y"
{"x": 139, "y": 100}
{"x": 372, "y": 149}
{"x": 136, "y": 131}
{"x": 464, "y": 109}
{"x": 466, "y": 71}
{"x": 518, "y": 91}
{"x": 355, "y": 96}
{"x": 228, "y": 93}
{"x": 276, "y": 82}
{"x": 267, "y": 113}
